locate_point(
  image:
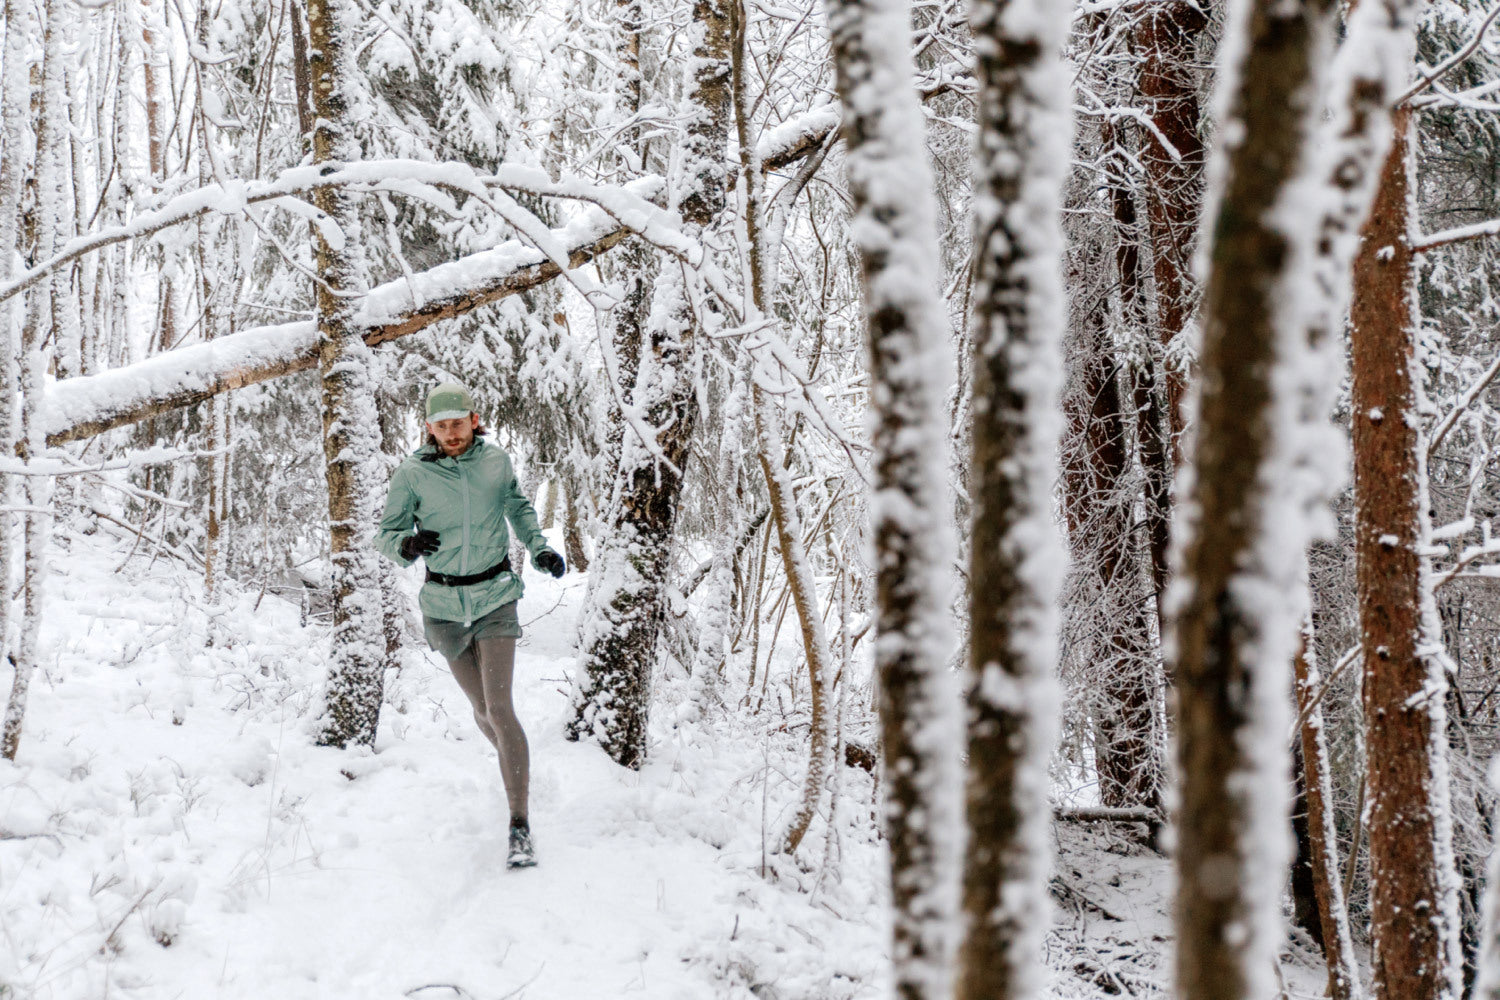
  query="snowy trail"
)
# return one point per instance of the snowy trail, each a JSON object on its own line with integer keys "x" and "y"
{"x": 229, "y": 857}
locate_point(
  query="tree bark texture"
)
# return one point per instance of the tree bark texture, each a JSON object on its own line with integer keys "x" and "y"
{"x": 1015, "y": 557}
{"x": 624, "y": 613}
{"x": 573, "y": 530}
{"x": 351, "y": 427}
{"x": 1238, "y": 614}
{"x": 1413, "y": 883}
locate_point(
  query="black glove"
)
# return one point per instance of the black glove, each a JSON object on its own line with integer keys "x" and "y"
{"x": 550, "y": 562}
{"x": 423, "y": 543}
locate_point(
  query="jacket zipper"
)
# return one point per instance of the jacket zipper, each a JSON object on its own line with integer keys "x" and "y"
{"x": 463, "y": 553}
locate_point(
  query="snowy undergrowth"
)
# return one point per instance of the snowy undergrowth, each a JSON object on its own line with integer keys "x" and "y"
{"x": 170, "y": 830}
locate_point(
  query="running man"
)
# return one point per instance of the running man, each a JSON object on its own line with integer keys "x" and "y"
{"x": 458, "y": 491}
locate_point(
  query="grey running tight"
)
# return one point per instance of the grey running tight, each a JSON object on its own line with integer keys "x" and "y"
{"x": 484, "y": 672}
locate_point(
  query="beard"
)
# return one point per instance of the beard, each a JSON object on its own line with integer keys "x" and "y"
{"x": 455, "y": 446}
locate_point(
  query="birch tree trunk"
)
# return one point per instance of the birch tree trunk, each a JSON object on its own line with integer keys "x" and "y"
{"x": 15, "y": 100}
{"x": 623, "y": 617}
{"x": 217, "y": 408}
{"x": 55, "y": 190}
{"x": 1022, "y": 153}
{"x": 41, "y": 321}
{"x": 1241, "y": 565}
{"x": 157, "y": 81}
{"x": 351, "y": 427}
{"x": 1414, "y": 925}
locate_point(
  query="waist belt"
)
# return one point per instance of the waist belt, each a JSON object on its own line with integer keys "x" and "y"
{"x": 451, "y": 580}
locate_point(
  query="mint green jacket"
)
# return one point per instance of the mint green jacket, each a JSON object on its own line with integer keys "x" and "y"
{"x": 467, "y": 500}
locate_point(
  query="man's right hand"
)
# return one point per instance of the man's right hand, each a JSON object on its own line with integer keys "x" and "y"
{"x": 423, "y": 543}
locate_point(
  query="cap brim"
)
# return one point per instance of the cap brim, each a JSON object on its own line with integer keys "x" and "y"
{"x": 433, "y": 418}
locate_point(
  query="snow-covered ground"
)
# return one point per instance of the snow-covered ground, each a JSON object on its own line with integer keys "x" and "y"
{"x": 170, "y": 830}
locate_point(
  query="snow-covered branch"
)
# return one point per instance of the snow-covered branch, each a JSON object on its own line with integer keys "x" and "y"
{"x": 1464, "y": 402}
{"x": 83, "y": 407}
{"x": 1430, "y": 77}
{"x": 1457, "y": 234}
{"x": 413, "y": 178}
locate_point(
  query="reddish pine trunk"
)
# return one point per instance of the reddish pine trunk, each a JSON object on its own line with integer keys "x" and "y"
{"x": 1415, "y": 946}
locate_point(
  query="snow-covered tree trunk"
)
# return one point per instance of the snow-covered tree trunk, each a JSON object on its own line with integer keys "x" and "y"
{"x": 1022, "y": 152}
{"x": 351, "y": 428}
{"x": 1333, "y": 915}
{"x": 894, "y": 227}
{"x": 714, "y": 619}
{"x": 636, "y": 264}
{"x": 157, "y": 82}
{"x": 215, "y": 437}
{"x": 1487, "y": 981}
{"x": 623, "y": 616}
{"x": 1414, "y": 921}
{"x": 55, "y": 190}
{"x": 15, "y": 100}
{"x": 1246, "y": 517}
{"x": 41, "y": 321}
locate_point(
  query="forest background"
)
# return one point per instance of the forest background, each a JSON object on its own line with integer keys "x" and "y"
{"x": 1016, "y": 344}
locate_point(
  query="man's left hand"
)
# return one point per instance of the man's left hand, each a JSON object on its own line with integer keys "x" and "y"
{"x": 550, "y": 562}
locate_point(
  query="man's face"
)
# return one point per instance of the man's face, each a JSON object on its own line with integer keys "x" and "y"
{"x": 454, "y": 436}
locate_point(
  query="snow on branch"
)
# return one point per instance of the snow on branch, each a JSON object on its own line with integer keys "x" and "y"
{"x": 1430, "y": 77}
{"x": 429, "y": 182}
{"x": 1457, "y": 234}
{"x": 791, "y": 141}
{"x": 83, "y": 407}
{"x": 1464, "y": 402}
